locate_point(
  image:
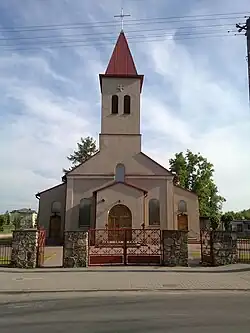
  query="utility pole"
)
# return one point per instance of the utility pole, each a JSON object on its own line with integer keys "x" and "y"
{"x": 246, "y": 27}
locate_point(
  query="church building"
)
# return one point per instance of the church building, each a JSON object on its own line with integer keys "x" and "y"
{"x": 119, "y": 186}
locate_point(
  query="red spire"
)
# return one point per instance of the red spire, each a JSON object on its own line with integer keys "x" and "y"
{"x": 121, "y": 61}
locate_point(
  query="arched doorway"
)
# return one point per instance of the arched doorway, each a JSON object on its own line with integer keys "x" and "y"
{"x": 182, "y": 222}
{"x": 55, "y": 230}
{"x": 120, "y": 217}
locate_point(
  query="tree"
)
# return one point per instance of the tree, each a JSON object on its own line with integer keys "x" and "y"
{"x": 226, "y": 219}
{"x": 195, "y": 173}
{"x": 85, "y": 149}
{"x": 2, "y": 222}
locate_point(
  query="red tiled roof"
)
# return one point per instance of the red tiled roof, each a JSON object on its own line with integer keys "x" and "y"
{"x": 121, "y": 61}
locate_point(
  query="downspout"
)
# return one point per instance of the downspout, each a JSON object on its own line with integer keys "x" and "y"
{"x": 144, "y": 209}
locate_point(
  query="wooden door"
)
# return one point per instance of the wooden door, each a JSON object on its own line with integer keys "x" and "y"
{"x": 183, "y": 222}
{"x": 120, "y": 217}
{"x": 55, "y": 229}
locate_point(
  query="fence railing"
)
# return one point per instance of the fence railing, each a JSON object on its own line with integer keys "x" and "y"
{"x": 5, "y": 252}
{"x": 243, "y": 249}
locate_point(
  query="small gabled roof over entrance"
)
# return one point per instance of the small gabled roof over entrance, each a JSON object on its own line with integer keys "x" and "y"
{"x": 123, "y": 183}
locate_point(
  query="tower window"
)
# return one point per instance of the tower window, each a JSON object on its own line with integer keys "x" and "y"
{"x": 114, "y": 104}
{"x": 182, "y": 206}
{"x": 120, "y": 173}
{"x": 127, "y": 102}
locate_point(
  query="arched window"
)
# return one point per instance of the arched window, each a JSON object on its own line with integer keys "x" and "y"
{"x": 56, "y": 207}
{"x": 85, "y": 212}
{"x": 154, "y": 212}
{"x": 182, "y": 206}
{"x": 114, "y": 104}
{"x": 127, "y": 103}
{"x": 120, "y": 173}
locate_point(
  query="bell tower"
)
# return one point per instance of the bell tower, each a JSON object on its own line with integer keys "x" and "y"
{"x": 121, "y": 93}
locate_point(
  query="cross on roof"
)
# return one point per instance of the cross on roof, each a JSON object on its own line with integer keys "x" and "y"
{"x": 121, "y": 16}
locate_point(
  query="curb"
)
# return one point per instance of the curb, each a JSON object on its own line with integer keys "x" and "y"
{"x": 26, "y": 291}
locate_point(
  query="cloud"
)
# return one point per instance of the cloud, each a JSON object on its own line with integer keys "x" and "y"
{"x": 207, "y": 116}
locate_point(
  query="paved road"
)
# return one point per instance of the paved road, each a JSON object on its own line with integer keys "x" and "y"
{"x": 126, "y": 312}
{"x": 124, "y": 278}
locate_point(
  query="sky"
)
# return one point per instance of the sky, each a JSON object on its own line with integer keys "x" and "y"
{"x": 195, "y": 93}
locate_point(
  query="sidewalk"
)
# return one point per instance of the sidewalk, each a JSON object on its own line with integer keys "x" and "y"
{"x": 232, "y": 278}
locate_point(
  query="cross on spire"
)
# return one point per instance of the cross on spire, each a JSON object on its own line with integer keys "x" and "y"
{"x": 121, "y": 16}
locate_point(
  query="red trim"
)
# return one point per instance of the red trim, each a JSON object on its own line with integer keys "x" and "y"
{"x": 124, "y": 183}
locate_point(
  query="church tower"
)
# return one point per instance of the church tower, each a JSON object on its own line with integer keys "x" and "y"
{"x": 121, "y": 92}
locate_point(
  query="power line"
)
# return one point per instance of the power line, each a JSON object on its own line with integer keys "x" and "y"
{"x": 129, "y": 20}
{"x": 101, "y": 44}
{"x": 96, "y": 39}
{"x": 112, "y": 32}
{"x": 114, "y": 23}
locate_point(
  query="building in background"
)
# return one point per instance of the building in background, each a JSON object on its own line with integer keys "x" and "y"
{"x": 23, "y": 218}
{"x": 241, "y": 225}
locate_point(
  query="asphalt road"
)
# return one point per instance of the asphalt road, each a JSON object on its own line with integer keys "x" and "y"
{"x": 126, "y": 312}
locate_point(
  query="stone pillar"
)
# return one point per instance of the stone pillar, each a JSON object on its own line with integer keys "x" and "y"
{"x": 205, "y": 223}
{"x": 24, "y": 248}
{"x": 75, "y": 252}
{"x": 175, "y": 247}
{"x": 224, "y": 248}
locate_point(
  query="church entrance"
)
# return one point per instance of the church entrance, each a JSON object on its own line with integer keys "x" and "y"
{"x": 182, "y": 222}
{"x": 119, "y": 218}
{"x": 120, "y": 244}
{"x": 55, "y": 237}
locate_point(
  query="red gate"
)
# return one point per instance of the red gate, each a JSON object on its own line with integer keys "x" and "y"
{"x": 40, "y": 247}
{"x": 124, "y": 247}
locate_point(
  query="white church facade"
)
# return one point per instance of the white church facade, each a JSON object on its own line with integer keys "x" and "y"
{"x": 119, "y": 186}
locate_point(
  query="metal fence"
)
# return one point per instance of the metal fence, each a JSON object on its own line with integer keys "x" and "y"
{"x": 243, "y": 248}
{"x": 5, "y": 252}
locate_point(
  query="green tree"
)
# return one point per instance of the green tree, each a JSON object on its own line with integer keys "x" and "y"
{"x": 195, "y": 173}
{"x": 2, "y": 222}
{"x": 7, "y": 218}
{"x": 226, "y": 219}
{"x": 85, "y": 149}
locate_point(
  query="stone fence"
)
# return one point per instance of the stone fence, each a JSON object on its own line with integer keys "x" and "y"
{"x": 217, "y": 248}
{"x": 175, "y": 248}
{"x": 24, "y": 248}
{"x": 75, "y": 252}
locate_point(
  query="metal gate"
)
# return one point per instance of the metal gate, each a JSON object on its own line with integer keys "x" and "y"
{"x": 243, "y": 248}
{"x": 124, "y": 247}
{"x": 40, "y": 247}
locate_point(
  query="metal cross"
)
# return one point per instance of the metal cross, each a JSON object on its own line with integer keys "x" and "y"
{"x": 121, "y": 16}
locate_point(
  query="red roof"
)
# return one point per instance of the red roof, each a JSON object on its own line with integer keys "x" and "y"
{"x": 121, "y": 61}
